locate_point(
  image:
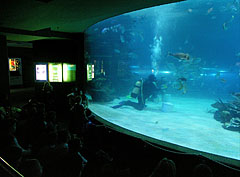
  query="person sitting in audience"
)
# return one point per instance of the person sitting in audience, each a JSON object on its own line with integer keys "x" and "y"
{"x": 164, "y": 168}
{"x": 7, "y": 136}
{"x": 63, "y": 139}
{"x": 31, "y": 168}
{"x": 202, "y": 170}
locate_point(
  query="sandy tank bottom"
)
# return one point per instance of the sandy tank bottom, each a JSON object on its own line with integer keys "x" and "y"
{"x": 184, "y": 121}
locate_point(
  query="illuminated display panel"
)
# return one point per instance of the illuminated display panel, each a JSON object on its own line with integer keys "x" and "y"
{"x": 90, "y": 72}
{"x": 14, "y": 64}
{"x": 41, "y": 72}
{"x": 55, "y": 72}
{"x": 15, "y": 71}
{"x": 69, "y": 72}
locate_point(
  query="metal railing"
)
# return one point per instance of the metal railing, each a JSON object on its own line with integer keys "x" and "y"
{"x": 9, "y": 169}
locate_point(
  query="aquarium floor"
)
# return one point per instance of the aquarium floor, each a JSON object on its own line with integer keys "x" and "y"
{"x": 188, "y": 125}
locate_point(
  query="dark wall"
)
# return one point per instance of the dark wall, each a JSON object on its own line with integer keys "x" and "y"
{"x": 4, "y": 74}
{"x": 26, "y": 55}
{"x": 55, "y": 51}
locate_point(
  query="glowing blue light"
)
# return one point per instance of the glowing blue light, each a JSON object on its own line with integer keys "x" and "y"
{"x": 165, "y": 72}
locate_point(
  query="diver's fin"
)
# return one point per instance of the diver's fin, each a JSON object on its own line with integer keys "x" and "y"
{"x": 120, "y": 104}
{"x": 117, "y": 106}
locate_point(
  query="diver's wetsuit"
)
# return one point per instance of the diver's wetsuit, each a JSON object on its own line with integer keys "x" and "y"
{"x": 149, "y": 88}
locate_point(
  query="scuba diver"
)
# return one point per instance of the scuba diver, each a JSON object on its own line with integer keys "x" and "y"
{"x": 142, "y": 91}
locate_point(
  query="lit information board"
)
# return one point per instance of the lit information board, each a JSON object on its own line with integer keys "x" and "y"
{"x": 41, "y": 72}
{"x": 69, "y": 72}
{"x": 14, "y": 64}
{"x": 15, "y": 68}
{"x": 90, "y": 72}
{"x": 55, "y": 72}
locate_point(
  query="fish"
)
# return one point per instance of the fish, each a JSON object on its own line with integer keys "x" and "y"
{"x": 225, "y": 26}
{"x": 218, "y": 75}
{"x": 237, "y": 64}
{"x": 213, "y": 17}
{"x": 180, "y": 56}
{"x": 236, "y": 95}
{"x": 210, "y": 10}
{"x": 182, "y": 84}
{"x": 104, "y": 30}
{"x": 189, "y": 10}
{"x": 117, "y": 51}
{"x": 122, "y": 39}
{"x": 182, "y": 79}
{"x": 227, "y": 23}
{"x": 223, "y": 80}
{"x": 164, "y": 86}
{"x": 183, "y": 88}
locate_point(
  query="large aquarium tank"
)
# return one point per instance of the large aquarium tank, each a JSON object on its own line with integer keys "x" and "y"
{"x": 171, "y": 75}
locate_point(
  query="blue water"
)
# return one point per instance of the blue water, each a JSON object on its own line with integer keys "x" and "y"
{"x": 133, "y": 45}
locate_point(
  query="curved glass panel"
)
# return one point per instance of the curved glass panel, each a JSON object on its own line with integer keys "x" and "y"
{"x": 171, "y": 72}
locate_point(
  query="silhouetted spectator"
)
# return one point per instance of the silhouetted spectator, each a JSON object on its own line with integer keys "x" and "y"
{"x": 63, "y": 139}
{"x": 164, "y": 168}
{"x": 48, "y": 96}
{"x": 7, "y": 136}
{"x": 71, "y": 163}
{"x": 202, "y": 170}
{"x": 31, "y": 168}
{"x": 47, "y": 155}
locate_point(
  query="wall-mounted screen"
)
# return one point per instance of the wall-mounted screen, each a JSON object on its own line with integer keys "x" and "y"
{"x": 15, "y": 64}
{"x": 90, "y": 72}
{"x": 12, "y": 65}
{"x": 69, "y": 72}
{"x": 15, "y": 68}
{"x": 41, "y": 72}
{"x": 55, "y": 72}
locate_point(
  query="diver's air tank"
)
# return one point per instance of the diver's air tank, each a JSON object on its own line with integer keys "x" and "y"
{"x": 136, "y": 89}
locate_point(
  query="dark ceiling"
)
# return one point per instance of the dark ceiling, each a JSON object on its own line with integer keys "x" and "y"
{"x": 18, "y": 17}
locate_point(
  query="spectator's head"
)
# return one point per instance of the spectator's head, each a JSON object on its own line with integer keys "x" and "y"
{"x": 31, "y": 168}
{"x": 202, "y": 170}
{"x": 164, "y": 168}
{"x": 78, "y": 99}
{"x": 71, "y": 99}
{"x": 108, "y": 170}
{"x": 64, "y": 136}
{"x": 47, "y": 87}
